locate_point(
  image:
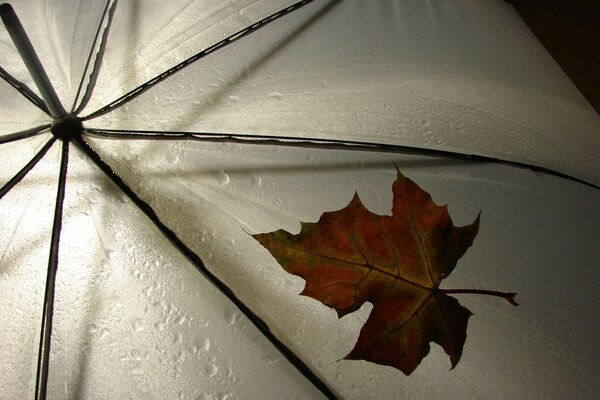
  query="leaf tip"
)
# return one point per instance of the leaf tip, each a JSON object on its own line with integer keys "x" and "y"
{"x": 398, "y": 173}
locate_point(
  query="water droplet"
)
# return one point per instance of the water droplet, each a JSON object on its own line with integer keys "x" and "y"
{"x": 179, "y": 357}
{"x": 270, "y": 358}
{"x": 276, "y": 95}
{"x": 256, "y": 181}
{"x": 135, "y": 354}
{"x": 178, "y": 338}
{"x": 224, "y": 395}
{"x": 210, "y": 369}
{"x": 231, "y": 316}
{"x": 103, "y": 333}
{"x": 137, "y": 325}
{"x": 222, "y": 178}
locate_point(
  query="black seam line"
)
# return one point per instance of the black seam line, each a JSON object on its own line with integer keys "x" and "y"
{"x": 48, "y": 308}
{"x": 28, "y": 167}
{"x": 102, "y": 35}
{"x": 24, "y": 90}
{"x": 13, "y": 137}
{"x": 219, "y": 45}
{"x": 319, "y": 143}
{"x": 199, "y": 264}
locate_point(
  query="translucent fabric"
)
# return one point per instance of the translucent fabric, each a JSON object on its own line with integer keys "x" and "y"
{"x": 135, "y": 319}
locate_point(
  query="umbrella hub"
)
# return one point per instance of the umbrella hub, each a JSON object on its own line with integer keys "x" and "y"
{"x": 67, "y": 127}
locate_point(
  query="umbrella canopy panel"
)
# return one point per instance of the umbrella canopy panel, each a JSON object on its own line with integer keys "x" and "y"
{"x": 128, "y": 301}
{"x": 462, "y": 76}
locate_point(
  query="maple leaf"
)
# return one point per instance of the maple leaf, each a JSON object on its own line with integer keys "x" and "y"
{"x": 352, "y": 256}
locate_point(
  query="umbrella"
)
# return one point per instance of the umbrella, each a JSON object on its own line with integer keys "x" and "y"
{"x": 453, "y": 78}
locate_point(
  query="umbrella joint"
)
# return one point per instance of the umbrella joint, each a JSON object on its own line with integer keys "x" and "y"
{"x": 67, "y": 127}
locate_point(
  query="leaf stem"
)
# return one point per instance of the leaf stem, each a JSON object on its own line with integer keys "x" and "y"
{"x": 510, "y": 297}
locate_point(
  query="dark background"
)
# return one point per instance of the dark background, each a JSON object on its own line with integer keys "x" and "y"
{"x": 570, "y": 31}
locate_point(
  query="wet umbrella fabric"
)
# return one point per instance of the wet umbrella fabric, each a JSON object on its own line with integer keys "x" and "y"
{"x": 125, "y": 295}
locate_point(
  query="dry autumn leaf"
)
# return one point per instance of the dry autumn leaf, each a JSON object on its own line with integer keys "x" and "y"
{"x": 396, "y": 262}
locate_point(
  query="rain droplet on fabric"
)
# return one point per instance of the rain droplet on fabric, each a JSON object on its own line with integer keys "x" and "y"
{"x": 137, "y": 325}
{"x": 231, "y": 316}
{"x": 180, "y": 320}
{"x": 222, "y": 178}
{"x": 256, "y": 181}
{"x": 210, "y": 369}
{"x": 270, "y": 358}
{"x": 201, "y": 346}
{"x": 224, "y": 396}
{"x": 178, "y": 338}
{"x": 276, "y": 95}
{"x": 179, "y": 357}
{"x": 136, "y": 355}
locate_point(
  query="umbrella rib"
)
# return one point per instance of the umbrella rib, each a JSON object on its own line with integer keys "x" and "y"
{"x": 99, "y": 45}
{"x": 32, "y": 62}
{"x": 211, "y": 49}
{"x": 147, "y": 209}
{"x": 48, "y": 310}
{"x": 13, "y": 137}
{"x": 24, "y": 90}
{"x": 319, "y": 143}
{"x": 25, "y": 170}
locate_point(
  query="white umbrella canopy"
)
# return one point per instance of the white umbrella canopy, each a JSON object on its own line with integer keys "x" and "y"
{"x": 133, "y": 316}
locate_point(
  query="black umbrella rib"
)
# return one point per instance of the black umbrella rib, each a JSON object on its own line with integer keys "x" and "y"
{"x": 95, "y": 56}
{"x": 211, "y": 49}
{"x": 30, "y": 58}
{"x": 319, "y": 143}
{"x": 13, "y": 137}
{"x": 48, "y": 310}
{"x": 147, "y": 209}
{"x": 28, "y": 167}
{"x": 24, "y": 90}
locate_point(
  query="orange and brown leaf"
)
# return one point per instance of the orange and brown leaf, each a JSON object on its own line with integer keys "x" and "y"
{"x": 352, "y": 256}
